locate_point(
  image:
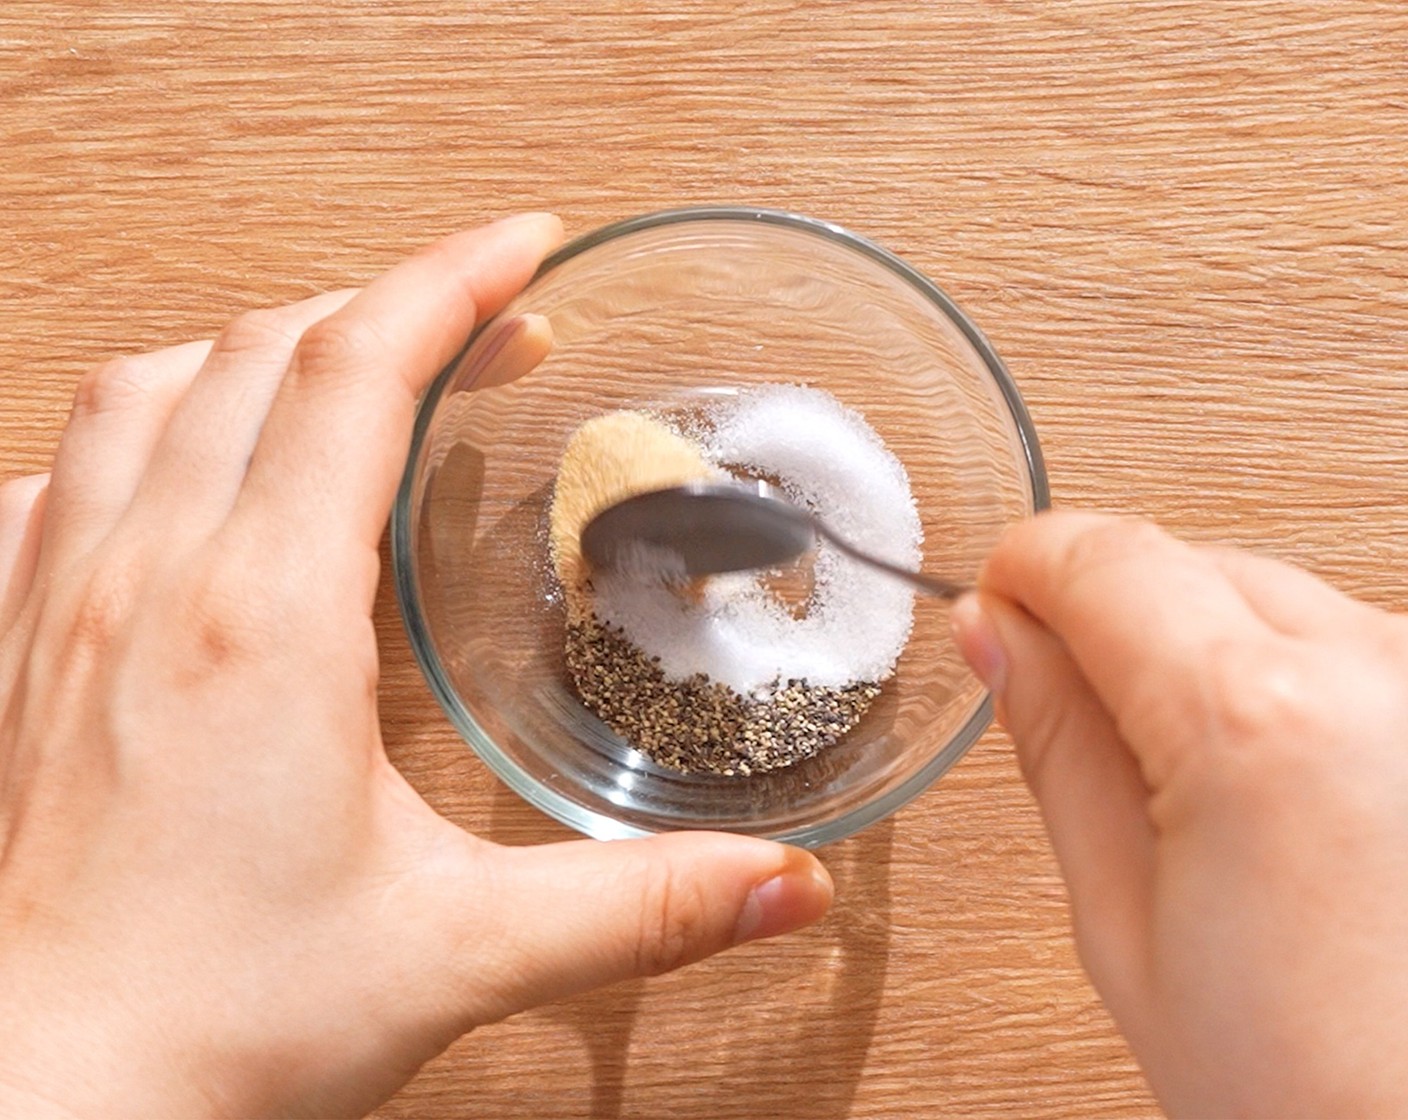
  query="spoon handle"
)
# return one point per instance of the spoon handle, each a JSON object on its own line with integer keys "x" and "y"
{"x": 929, "y": 585}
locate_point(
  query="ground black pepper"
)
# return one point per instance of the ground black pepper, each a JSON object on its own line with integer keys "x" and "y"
{"x": 702, "y": 725}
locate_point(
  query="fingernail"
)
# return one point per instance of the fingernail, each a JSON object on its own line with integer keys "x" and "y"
{"x": 978, "y": 641}
{"x": 796, "y": 897}
{"x": 551, "y": 222}
{"x": 515, "y": 348}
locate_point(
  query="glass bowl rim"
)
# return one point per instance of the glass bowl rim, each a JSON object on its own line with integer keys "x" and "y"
{"x": 599, "y": 825}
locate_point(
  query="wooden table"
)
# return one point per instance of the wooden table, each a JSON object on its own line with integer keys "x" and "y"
{"x": 1185, "y": 225}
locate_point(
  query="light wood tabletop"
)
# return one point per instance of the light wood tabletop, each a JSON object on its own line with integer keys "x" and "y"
{"x": 1183, "y": 224}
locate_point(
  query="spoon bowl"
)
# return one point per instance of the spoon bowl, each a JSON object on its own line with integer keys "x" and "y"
{"x": 708, "y": 528}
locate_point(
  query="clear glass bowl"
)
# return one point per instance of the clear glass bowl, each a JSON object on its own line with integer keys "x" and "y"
{"x": 655, "y": 313}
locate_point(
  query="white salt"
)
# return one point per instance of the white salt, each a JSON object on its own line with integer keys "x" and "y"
{"x": 857, "y": 621}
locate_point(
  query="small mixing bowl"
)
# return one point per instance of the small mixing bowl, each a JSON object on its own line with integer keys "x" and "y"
{"x": 662, "y": 313}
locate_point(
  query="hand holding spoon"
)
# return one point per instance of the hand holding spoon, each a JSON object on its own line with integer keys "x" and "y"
{"x": 706, "y": 528}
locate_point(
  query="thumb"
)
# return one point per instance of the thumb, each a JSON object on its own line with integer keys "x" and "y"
{"x": 1084, "y": 778}
{"x": 577, "y": 915}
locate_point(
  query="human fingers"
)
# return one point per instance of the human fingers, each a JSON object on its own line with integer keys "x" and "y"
{"x": 200, "y": 460}
{"x": 333, "y": 447}
{"x": 1289, "y": 599}
{"x": 21, "y": 522}
{"x": 119, "y": 412}
{"x": 1140, "y": 612}
{"x": 1088, "y": 785}
{"x": 517, "y": 346}
{"x": 577, "y": 915}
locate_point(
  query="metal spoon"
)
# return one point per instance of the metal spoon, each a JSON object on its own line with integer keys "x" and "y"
{"x": 705, "y": 528}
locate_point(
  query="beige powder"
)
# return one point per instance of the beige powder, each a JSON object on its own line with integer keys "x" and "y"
{"x": 609, "y": 458}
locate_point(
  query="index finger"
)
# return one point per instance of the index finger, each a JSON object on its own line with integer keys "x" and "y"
{"x": 332, "y": 449}
{"x": 1139, "y": 610}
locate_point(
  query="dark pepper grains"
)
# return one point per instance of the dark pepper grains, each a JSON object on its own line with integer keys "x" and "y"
{"x": 699, "y": 725}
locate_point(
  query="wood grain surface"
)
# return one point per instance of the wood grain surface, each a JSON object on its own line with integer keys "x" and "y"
{"x": 1184, "y": 225}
